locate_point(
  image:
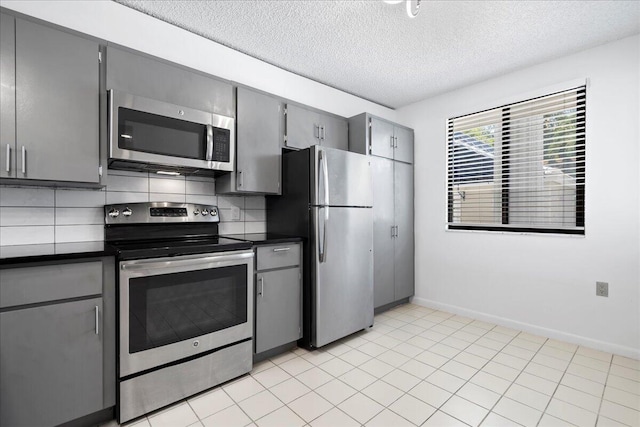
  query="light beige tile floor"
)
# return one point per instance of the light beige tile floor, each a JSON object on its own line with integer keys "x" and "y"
{"x": 418, "y": 366}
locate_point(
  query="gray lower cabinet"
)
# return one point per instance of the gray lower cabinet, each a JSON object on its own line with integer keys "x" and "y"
{"x": 393, "y": 232}
{"x": 58, "y": 352}
{"x": 259, "y": 130}
{"x": 306, "y": 127}
{"x": 57, "y": 120}
{"x": 278, "y": 296}
{"x": 372, "y": 135}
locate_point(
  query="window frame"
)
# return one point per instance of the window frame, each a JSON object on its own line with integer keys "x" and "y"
{"x": 580, "y": 228}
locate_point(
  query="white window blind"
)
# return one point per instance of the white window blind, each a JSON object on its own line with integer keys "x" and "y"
{"x": 519, "y": 167}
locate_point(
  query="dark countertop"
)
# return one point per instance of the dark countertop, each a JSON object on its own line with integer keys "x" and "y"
{"x": 264, "y": 238}
{"x": 53, "y": 252}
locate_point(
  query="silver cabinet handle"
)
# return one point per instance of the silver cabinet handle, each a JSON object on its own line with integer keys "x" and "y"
{"x": 240, "y": 179}
{"x": 97, "y": 320}
{"x": 281, "y": 249}
{"x": 391, "y": 141}
{"x": 393, "y": 231}
{"x": 323, "y": 133}
{"x": 316, "y": 131}
{"x": 209, "y": 154}
{"x": 261, "y": 280}
{"x": 24, "y": 159}
{"x": 396, "y": 142}
{"x": 8, "y": 158}
{"x": 396, "y": 231}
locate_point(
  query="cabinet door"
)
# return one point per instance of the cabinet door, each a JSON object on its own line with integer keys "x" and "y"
{"x": 302, "y": 127}
{"x": 335, "y": 132}
{"x": 7, "y": 96}
{"x": 57, "y": 104}
{"x": 258, "y": 142}
{"x": 278, "y": 308}
{"x": 404, "y": 145}
{"x": 156, "y": 79}
{"x": 381, "y": 138}
{"x": 51, "y": 364}
{"x": 383, "y": 250}
{"x": 404, "y": 241}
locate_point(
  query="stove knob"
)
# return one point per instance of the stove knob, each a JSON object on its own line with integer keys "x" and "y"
{"x": 196, "y": 211}
{"x": 205, "y": 212}
{"x": 114, "y": 213}
{"x": 213, "y": 212}
{"x": 127, "y": 211}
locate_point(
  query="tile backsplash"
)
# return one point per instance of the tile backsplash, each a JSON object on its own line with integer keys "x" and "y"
{"x": 31, "y": 215}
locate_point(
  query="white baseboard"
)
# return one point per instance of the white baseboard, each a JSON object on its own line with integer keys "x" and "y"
{"x": 621, "y": 350}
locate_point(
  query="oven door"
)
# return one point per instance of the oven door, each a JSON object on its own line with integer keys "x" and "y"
{"x": 177, "y": 307}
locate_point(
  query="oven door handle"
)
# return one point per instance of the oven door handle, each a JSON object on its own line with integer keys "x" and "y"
{"x": 185, "y": 262}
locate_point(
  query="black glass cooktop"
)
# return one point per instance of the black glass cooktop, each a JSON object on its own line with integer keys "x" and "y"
{"x": 176, "y": 247}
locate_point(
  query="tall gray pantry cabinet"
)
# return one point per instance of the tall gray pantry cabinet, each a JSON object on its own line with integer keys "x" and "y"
{"x": 390, "y": 147}
{"x": 49, "y": 109}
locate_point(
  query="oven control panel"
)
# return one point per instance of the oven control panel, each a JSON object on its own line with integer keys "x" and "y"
{"x": 160, "y": 212}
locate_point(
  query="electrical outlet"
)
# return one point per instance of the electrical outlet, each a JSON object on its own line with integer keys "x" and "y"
{"x": 602, "y": 289}
{"x": 235, "y": 213}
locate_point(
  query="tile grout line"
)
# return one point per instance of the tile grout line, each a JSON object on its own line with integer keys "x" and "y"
{"x": 556, "y": 388}
{"x": 604, "y": 389}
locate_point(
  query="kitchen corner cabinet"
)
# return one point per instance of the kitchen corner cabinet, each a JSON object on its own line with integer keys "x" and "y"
{"x": 259, "y": 130}
{"x": 305, "y": 127}
{"x": 371, "y": 135}
{"x": 50, "y": 92}
{"x": 57, "y": 334}
{"x": 278, "y": 296}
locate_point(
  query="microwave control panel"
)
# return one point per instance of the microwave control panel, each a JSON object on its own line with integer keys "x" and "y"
{"x": 221, "y": 145}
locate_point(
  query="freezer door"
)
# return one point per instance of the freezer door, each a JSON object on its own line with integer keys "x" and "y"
{"x": 340, "y": 178}
{"x": 342, "y": 272}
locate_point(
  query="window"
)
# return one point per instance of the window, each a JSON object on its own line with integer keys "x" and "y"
{"x": 519, "y": 167}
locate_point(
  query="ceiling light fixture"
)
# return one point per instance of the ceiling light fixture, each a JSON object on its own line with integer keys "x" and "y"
{"x": 413, "y": 6}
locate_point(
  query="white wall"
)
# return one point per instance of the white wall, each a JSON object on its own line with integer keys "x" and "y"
{"x": 543, "y": 284}
{"x": 119, "y": 24}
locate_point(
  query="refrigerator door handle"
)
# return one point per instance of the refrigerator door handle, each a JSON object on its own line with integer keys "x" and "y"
{"x": 322, "y": 242}
{"x": 325, "y": 180}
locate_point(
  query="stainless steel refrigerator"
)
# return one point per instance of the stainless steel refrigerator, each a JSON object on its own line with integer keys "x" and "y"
{"x": 327, "y": 199}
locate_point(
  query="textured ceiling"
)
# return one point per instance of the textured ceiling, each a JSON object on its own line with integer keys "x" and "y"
{"x": 373, "y": 50}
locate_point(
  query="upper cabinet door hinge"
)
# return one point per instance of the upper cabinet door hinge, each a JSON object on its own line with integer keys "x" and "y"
{"x": 100, "y": 57}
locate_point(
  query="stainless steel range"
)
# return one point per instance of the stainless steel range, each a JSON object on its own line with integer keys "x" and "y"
{"x": 185, "y": 298}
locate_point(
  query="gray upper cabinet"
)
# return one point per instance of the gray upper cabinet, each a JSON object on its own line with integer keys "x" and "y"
{"x": 50, "y": 92}
{"x": 258, "y": 152}
{"x": 403, "y": 151}
{"x": 7, "y": 96}
{"x": 307, "y": 127}
{"x": 382, "y": 141}
{"x": 371, "y": 135}
{"x": 142, "y": 75}
{"x": 302, "y": 127}
{"x": 334, "y": 132}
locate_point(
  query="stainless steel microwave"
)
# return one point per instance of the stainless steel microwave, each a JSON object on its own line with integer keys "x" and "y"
{"x": 150, "y": 135}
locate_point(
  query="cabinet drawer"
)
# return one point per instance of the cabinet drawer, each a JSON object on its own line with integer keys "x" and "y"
{"x": 278, "y": 256}
{"x": 30, "y": 285}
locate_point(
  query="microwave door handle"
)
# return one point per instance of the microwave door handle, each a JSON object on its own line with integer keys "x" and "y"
{"x": 209, "y": 155}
